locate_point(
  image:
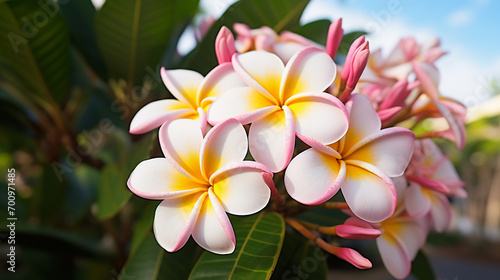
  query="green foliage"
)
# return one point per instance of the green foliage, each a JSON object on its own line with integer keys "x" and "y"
{"x": 258, "y": 244}
{"x": 421, "y": 268}
{"x": 34, "y": 52}
{"x": 134, "y": 34}
{"x": 113, "y": 191}
{"x": 152, "y": 262}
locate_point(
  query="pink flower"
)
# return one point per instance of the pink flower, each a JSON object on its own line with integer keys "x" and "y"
{"x": 360, "y": 164}
{"x": 432, "y": 178}
{"x": 266, "y": 39}
{"x": 194, "y": 95}
{"x": 334, "y": 37}
{"x": 199, "y": 181}
{"x": 355, "y": 64}
{"x": 283, "y": 101}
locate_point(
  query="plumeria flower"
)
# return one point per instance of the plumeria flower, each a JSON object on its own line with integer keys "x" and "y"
{"x": 194, "y": 95}
{"x": 360, "y": 164}
{"x": 284, "y": 45}
{"x": 402, "y": 236}
{"x": 283, "y": 101}
{"x": 451, "y": 110}
{"x": 432, "y": 178}
{"x": 199, "y": 181}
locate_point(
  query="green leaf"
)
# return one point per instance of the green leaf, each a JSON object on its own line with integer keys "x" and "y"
{"x": 34, "y": 51}
{"x": 347, "y": 41}
{"x": 277, "y": 14}
{"x": 421, "y": 268}
{"x": 79, "y": 16}
{"x": 134, "y": 34}
{"x": 143, "y": 225}
{"x": 113, "y": 192}
{"x": 316, "y": 31}
{"x": 152, "y": 262}
{"x": 62, "y": 242}
{"x": 258, "y": 244}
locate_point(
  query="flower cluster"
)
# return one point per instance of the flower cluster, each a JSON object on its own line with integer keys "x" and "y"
{"x": 322, "y": 126}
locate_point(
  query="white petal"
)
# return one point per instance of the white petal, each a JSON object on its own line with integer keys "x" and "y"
{"x": 244, "y": 104}
{"x": 213, "y": 230}
{"x": 226, "y": 143}
{"x": 440, "y": 212}
{"x": 394, "y": 256}
{"x": 183, "y": 84}
{"x": 272, "y": 139}
{"x": 286, "y": 50}
{"x": 369, "y": 193}
{"x": 313, "y": 177}
{"x": 156, "y": 113}
{"x": 262, "y": 71}
{"x": 308, "y": 70}
{"x": 319, "y": 116}
{"x": 175, "y": 219}
{"x": 389, "y": 150}
{"x": 242, "y": 189}
{"x": 180, "y": 142}
{"x": 416, "y": 202}
{"x": 217, "y": 82}
{"x": 156, "y": 178}
{"x": 363, "y": 122}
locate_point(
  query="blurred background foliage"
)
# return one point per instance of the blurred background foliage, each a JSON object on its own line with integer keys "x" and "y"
{"x": 72, "y": 78}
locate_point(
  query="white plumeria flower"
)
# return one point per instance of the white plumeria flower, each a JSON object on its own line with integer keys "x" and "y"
{"x": 360, "y": 164}
{"x": 402, "y": 236}
{"x": 432, "y": 178}
{"x": 199, "y": 181}
{"x": 283, "y": 101}
{"x": 194, "y": 95}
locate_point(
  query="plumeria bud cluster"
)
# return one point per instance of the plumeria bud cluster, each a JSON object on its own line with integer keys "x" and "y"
{"x": 274, "y": 98}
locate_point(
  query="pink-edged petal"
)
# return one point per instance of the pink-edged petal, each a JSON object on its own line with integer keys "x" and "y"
{"x": 355, "y": 221}
{"x": 411, "y": 233}
{"x": 456, "y": 126}
{"x": 369, "y": 193}
{"x": 389, "y": 150}
{"x": 286, "y": 50}
{"x": 183, "y": 84}
{"x": 244, "y": 104}
{"x": 319, "y": 116}
{"x": 417, "y": 204}
{"x": 181, "y": 141}
{"x": 363, "y": 120}
{"x": 241, "y": 189}
{"x": 156, "y": 178}
{"x": 394, "y": 256}
{"x": 354, "y": 232}
{"x": 226, "y": 143}
{"x": 213, "y": 230}
{"x": 156, "y": 113}
{"x": 272, "y": 139}
{"x": 309, "y": 70}
{"x": 440, "y": 212}
{"x": 262, "y": 71}
{"x": 313, "y": 177}
{"x": 428, "y": 76}
{"x": 175, "y": 220}
{"x": 217, "y": 82}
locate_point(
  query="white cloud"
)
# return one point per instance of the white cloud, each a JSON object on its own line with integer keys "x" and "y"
{"x": 460, "y": 17}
